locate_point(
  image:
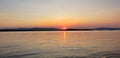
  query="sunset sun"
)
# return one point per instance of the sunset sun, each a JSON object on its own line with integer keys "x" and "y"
{"x": 64, "y": 28}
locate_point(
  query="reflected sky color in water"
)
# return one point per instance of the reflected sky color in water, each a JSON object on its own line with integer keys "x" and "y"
{"x": 57, "y": 43}
{"x": 64, "y": 37}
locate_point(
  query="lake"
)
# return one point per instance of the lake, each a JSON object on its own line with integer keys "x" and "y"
{"x": 60, "y": 44}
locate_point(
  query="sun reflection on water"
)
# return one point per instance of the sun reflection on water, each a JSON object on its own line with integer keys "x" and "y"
{"x": 64, "y": 37}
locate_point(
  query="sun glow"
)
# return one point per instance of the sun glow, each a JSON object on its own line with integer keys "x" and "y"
{"x": 64, "y": 28}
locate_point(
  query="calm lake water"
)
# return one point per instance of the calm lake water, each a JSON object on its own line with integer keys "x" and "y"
{"x": 60, "y": 44}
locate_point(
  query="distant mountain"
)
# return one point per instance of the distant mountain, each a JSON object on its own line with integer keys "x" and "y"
{"x": 104, "y": 28}
{"x": 55, "y": 29}
{"x": 30, "y": 29}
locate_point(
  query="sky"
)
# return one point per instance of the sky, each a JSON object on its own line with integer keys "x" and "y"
{"x": 59, "y": 13}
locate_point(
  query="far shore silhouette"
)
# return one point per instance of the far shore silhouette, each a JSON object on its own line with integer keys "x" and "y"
{"x": 56, "y": 29}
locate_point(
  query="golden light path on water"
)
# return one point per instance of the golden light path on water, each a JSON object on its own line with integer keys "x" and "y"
{"x": 64, "y": 37}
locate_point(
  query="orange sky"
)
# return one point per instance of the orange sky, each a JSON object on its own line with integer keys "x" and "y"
{"x": 59, "y": 13}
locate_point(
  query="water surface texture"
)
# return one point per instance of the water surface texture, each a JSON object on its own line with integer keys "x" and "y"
{"x": 60, "y": 44}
